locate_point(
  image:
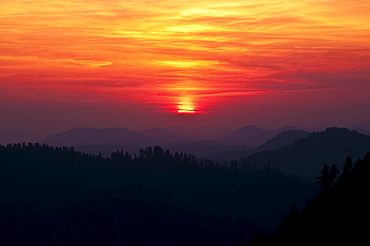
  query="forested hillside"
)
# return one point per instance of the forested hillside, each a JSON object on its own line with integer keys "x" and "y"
{"x": 337, "y": 216}
{"x": 306, "y": 156}
{"x": 57, "y": 196}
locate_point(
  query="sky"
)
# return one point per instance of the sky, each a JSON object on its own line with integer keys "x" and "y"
{"x": 201, "y": 65}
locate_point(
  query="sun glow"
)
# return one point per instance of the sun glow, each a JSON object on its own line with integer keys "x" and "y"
{"x": 186, "y": 106}
{"x": 186, "y": 110}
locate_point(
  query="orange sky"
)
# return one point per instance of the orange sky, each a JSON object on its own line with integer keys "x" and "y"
{"x": 167, "y": 55}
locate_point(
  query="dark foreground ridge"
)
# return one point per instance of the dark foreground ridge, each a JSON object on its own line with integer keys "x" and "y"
{"x": 337, "y": 216}
{"x": 58, "y": 196}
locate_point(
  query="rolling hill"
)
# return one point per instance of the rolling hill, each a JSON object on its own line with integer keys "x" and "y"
{"x": 111, "y": 136}
{"x": 306, "y": 156}
{"x": 252, "y": 135}
{"x": 280, "y": 140}
{"x": 108, "y": 140}
{"x": 59, "y": 196}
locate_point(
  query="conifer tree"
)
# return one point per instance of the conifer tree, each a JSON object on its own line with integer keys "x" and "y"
{"x": 328, "y": 176}
{"x": 347, "y": 165}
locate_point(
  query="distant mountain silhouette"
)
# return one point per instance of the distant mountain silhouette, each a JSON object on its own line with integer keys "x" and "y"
{"x": 283, "y": 139}
{"x": 112, "y": 136}
{"x": 91, "y": 136}
{"x": 107, "y": 140}
{"x": 280, "y": 140}
{"x": 164, "y": 134}
{"x": 306, "y": 156}
{"x": 252, "y": 135}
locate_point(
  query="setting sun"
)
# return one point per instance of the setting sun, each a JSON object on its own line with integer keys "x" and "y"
{"x": 186, "y": 110}
{"x": 186, "y": 106}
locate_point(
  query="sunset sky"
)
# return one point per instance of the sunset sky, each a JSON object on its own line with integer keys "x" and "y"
{"x": 214, "y": 65}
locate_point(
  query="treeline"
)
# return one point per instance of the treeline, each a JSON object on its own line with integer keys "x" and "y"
{"x": 58, "y": 196}
{"x": 337, "y": 216}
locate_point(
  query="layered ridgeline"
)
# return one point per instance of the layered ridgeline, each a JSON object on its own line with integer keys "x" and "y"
{"x": 253, "y": 136}
{"x": 58, "y": 196}
{"x": 108, "y": 140}
{"x": 307, "y": 155}
{"x": 282, "y": 139}
{"x": 337, "y": 216}
{"x": 235, "y": 145}
{"x": 85, "y": 136}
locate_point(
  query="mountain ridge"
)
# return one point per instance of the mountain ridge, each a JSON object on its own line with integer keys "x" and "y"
{"x": 107, "y": 140}
{"x": 252, "y": 135}
{"x": 84, "y": 136}
{"x": 280, "y": 140}
{"x": 306, "y": 156}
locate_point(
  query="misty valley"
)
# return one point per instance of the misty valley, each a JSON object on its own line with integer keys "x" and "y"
{"x": 115, "y": 186}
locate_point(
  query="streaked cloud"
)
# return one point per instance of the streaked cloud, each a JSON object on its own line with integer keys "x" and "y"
{"x": 168, "y": 50}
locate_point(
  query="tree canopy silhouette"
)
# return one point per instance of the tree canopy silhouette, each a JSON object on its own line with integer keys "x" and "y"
{"x": 327, "y": 177}
{"x": 337, "y": 216}
{"x": 58, "y": 196}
